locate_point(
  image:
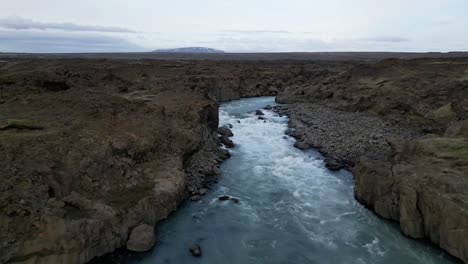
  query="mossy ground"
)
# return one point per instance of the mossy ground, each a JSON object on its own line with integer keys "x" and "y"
{"x": 446, "y": 147}
{"x": 22, "y": 124}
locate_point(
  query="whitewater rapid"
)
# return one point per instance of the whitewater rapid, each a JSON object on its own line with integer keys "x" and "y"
{"x": 291, "y": 210}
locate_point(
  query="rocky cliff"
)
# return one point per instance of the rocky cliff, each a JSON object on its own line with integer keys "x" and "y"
{"x": 92, "y": 148}
{"x": 424, "y": 187}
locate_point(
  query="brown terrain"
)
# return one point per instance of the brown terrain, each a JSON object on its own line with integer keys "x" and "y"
{"x": 97, "y": 150}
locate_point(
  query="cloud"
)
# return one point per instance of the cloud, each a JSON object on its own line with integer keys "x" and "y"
{"x": 18, "y": 23}
{"x": 62, "y": 42}
{"x": 258, "y": 31}
{"x": 443, "y": 20}
{"x": 386, "y": 39}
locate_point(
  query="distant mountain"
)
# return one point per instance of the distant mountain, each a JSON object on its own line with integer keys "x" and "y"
{"x": 189, "y": 50}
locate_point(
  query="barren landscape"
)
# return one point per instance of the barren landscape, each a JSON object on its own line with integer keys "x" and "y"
{"x": 95, "y": 145}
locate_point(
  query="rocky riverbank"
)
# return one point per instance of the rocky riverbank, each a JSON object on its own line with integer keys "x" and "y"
{"x": 342, "y": 137}
{"x": 93, "y": 148}
{"x": 401, "y": 126}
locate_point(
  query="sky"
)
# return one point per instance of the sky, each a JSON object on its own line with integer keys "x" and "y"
{"x": 233, "y": 26}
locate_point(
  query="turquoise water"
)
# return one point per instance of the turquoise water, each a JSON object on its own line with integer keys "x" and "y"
{"x": 291, "y": 210}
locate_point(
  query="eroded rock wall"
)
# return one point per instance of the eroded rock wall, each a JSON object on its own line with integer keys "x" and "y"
{"x": 424, "y": 187}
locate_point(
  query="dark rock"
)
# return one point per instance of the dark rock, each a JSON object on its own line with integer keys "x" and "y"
{"x": 196, "y": 250}
{"x": 333, "y": 164}
{"x": 259, "y": 113}
{"x": 226, "y": 141}
{"x": 230, "y": 125}
{"x": 285, "y": 137}
{"x": 301, "y": 145}
{"x": 224, "y": 154}
{"x": 290, "y": 132}
{"x": 225, "y": 131}
{"x": 235, "y": 200}
{"x": 224, "y": 198}
{"x": 261, "y": 118}
{"x": 268, "y": 107}
{"x": 123, "y": 89}
{"x": 55, "y": 86}
{"x": 141, "y": 239}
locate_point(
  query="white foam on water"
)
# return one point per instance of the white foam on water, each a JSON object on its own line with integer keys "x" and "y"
{"x": 374, "y": 248}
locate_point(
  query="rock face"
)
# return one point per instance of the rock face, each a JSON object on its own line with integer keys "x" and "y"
{"x": 106, "y": 159}
{"x": 142, "y": 238}
{"x": 424, "y": 187}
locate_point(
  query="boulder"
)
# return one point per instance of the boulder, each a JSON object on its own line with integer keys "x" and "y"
{"x": 195, "y": 250}
{"x": 301, "y": 145}
{"x": 225, "y": 131}
{"x": 142, "y": 238}
{"x": 268, "y": 107}
{"x": 224, "y": 154}
{"x": 333, "y": 164}
{"x": 226, "y": 142}
{"x": 290, "y": 132}
{"x": 224, "y": 198}
{"x": 259, "y": 113}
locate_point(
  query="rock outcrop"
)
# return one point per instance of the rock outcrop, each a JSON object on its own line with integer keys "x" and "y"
{"x": 424, "y": 187}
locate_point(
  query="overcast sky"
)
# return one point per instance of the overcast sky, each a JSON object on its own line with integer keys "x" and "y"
{"x": 233, "y": 26}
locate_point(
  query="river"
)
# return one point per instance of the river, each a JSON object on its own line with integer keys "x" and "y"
{"x": 291, "y": 210}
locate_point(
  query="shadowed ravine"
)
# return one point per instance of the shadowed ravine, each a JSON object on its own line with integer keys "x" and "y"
{"x": 291, "y": 210}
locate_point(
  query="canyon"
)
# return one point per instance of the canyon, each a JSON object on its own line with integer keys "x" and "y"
{"x": 94, "y": 147}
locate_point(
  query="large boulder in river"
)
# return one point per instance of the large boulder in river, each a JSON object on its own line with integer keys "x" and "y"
{"x": 225, "y": 131}
{"x": 301, "y": 145}
{"x": 226, "y": 142}
{"x": 224, "y": 135}
{"x": 196, "y": 250}
{"x": 141, "y": 239}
